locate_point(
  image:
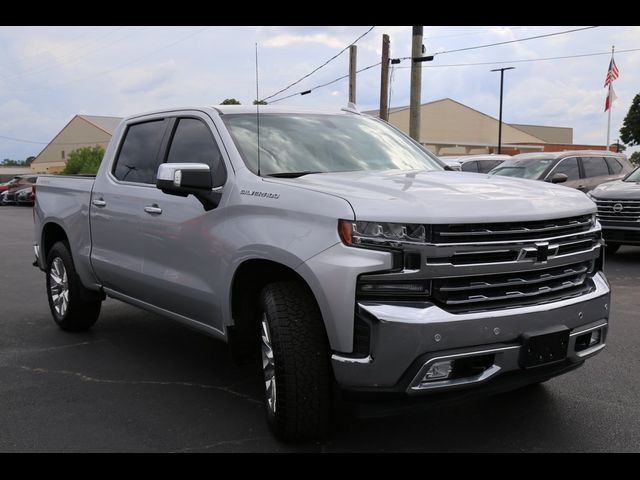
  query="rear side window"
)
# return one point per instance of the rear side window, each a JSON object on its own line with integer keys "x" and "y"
{"x": 594, "y": 167}
{"x": 138, "y": 155}
{"x": 486, "y": 166}
{"x": 568, "y": 166}
{"x": 470, "y": 167}
{"x": 194, "y": 143}
{"x": 614, "y": 165}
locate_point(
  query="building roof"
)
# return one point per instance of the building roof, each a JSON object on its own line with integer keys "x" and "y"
{"x": 531, "y": 130}
{"x": 108, "y": 124}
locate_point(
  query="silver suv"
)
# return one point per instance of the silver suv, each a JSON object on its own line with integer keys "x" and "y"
{"x": 580, "y": 169}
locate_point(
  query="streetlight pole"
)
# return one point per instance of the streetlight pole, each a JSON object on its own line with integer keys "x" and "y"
{"x": 501, "y": 70}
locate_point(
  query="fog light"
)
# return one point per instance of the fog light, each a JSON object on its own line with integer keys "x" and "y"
{"x": 439, "y": 371}
{"x": 595, "y": 338}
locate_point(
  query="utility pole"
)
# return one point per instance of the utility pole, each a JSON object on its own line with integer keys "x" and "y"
{"x": 353, "y": 54}
{"x": 501, "y": 70}
{"x": 416, "y": 84}
{"x": 384, "y": 80}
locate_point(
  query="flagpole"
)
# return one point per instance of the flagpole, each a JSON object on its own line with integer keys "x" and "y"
{"x": 610, "y": 105}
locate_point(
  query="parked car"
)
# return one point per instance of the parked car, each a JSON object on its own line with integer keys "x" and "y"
{"x": 580, "y": 169}
{"x": 26, "y": 196}
{"x": 3, "y": 198}
{"x": 6, "y": 185}
{"x": 475, "y": 163}
{"x": 336, "y": 248}
{"x": 21, "y": 183}
{"x": 619, "y": 211}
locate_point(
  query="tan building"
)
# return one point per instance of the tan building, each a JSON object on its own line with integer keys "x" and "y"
{"x": 81, "y": 131}
{"x": 448, "y": 127}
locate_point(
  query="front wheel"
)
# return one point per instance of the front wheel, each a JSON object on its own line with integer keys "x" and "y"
{"x": 295, "y": 363}
{"x": 611, "y": 248}
{"x": 73, "y": 307}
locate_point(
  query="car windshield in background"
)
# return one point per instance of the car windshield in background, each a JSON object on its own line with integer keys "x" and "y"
{"x": 634, "y": 176}
{"x": 522, "y": 168}
{"x": 314, "y": 143}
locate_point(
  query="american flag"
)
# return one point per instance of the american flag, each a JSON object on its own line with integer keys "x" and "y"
{"x": 612, "y": 73}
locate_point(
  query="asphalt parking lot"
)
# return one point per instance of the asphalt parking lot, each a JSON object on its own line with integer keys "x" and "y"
{"x": 139, "y": 383}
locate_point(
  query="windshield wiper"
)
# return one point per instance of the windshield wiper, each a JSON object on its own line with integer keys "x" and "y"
{"x": 290, "y": 174}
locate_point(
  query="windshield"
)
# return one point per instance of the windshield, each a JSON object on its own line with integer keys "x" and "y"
{"x": 522, "y": 168}
{"x": 633, "y": 176}
{"x": 291, "y": 143}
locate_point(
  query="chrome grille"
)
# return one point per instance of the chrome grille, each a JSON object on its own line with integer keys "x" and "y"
{"x": 618, "y": 211}
{"x": 492, "y": 232}
{"x": 486, "y": 292}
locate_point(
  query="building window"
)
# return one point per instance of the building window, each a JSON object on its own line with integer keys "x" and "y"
{"x": 63, "y": 154}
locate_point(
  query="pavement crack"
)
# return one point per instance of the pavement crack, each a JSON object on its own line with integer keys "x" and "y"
{"x": 86, "y": 378}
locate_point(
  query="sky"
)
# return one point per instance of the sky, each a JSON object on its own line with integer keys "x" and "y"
{"x": 49, "y": 74}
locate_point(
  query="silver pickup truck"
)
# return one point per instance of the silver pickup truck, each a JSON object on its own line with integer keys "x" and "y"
{"x": 332, "y": 248}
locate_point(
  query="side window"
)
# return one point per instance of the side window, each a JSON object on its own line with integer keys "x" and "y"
{"x": 193, "y": 143}
{"x": 470, "y": 167}
{"x": 568, "y": 166}
{"x": 137, "y": 158}
{"x": 486, "y": 166}
{"x": 594, "y": 167}
{"x": 614, "y": 165}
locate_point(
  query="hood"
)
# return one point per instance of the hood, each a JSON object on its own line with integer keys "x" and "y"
{"x": 446, "y": 197}
{"x": 617, "y": 190}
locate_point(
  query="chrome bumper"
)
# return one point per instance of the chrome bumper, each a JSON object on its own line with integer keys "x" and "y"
{"x": 406, "y": 339}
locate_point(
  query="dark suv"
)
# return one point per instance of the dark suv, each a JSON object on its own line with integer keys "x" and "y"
{"x": 581, "y": 169}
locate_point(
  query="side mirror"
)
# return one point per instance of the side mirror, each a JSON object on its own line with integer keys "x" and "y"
{"x": 184, "y": 179}
{"x": 558, "y": 178}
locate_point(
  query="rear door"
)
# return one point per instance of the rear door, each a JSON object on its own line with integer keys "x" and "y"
{"x": 595, "y": 171}
{"x": 485, "y": 166}
{"x": 117, "y": 211}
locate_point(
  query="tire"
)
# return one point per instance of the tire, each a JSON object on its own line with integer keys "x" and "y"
{"x": 611, "y": 248}
{"x": 295, "y": 349}
{"x": 74, "y": 308}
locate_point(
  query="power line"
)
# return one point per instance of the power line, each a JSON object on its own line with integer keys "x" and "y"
{"x": 466, "y": 34}
{"x": 516, "y": 40}
{"x": 526, "y": 60}
{"x": 323, "y": 65}
{"x": 128, "y": 62}
{"x": 22, "y": 140}
{"x": 305, "y": 92}
{"x": 509, "y": 41}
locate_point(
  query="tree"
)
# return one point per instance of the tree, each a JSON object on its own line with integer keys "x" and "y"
{"x": 259, "y": 102}
{"x": 28, "y": 161}
{"x": 630, "y": 131}
{"x": 85, "y": 160}
{"x": 635, "y": 158}
{"x": 230, "y": 101}
{"x": 617, "y": 147}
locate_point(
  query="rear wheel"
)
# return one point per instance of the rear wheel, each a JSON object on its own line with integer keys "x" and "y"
{"x": 295, "y": 363}
{"x": 73, "y": 307}
{"x": 611, "y": 248}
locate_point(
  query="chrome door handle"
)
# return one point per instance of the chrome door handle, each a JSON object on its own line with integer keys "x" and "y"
{"x": 99, "y": 203}
{"x": 153, "y": 210}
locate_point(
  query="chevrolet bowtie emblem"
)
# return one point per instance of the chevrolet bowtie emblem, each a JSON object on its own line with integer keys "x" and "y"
{"x": 543, "y": 251}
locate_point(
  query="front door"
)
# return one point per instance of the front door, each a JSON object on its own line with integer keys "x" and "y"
{"x": 183, "y": 249}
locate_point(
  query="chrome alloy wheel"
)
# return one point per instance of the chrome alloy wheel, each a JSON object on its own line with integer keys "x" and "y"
{"x": 59, "y": 287}
{"x": 268, "y": 366}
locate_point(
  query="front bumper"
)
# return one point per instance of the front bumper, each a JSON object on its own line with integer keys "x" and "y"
{"x": 624, "y": 234}
{"x": 404, "y": 339}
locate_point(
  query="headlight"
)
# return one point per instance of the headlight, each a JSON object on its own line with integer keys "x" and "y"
{"x": 380, "y": 233}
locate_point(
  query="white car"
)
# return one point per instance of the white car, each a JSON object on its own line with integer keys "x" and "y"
{"x": 475, "y": 163}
